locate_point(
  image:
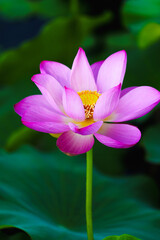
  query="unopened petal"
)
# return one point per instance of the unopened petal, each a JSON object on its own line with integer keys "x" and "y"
{"x": 74, "y": 144}
{"x": 118, "y": 135}
{"x": 111, "y": 72}
{"x": 81, "y": 74}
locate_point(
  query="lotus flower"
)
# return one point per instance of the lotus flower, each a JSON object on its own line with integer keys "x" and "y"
{"x": 85, "y": 102}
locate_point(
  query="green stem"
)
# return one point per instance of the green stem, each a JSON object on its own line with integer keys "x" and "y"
{"x": 89, "y": 173}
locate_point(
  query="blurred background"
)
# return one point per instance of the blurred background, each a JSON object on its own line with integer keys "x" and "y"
{"x": 35, "y": 30}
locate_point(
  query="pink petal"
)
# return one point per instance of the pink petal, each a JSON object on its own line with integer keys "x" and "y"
{"x": 136, "y": 103}
{"x": 74, "y": 144}
{"x": 111, "y": 72}
{"x": 126, "y": 90}
{"x": 57, "y": 70}
{"x": 35, "y": 100}
{"x": 95, "y": 68}
{"x": 73, "y": 105}
{"x": 118, "y": 135}
{"x": 90, "y": 129}
{"x": 81, "y": 74}
{"x": 47, "y": 127}
{"x": 50, "y": 88}
{"x": 42, "y": 114}
{"x": 106, "y": 103}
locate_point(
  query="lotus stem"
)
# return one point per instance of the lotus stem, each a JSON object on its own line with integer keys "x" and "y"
{"x": 89, "y": 173}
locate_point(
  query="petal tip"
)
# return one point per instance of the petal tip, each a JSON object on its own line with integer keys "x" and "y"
{"x": 119, "y": 86}
{"x": 80, "y": 49}
{"x": 43, "y": 62}
{"x": 23, "y": 122}
{"x": 41, "y": 66}
{"x": 33, "y": 78}
{"x": 38, "y": 76}
{"x": 80, "y": 53}
{"x": 15, "y": 106}
{"x": 139, "y": 135}
{"x": 123, "y": 52}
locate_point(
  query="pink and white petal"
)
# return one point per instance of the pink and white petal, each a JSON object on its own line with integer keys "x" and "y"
{"x": 81, "y": 73}
{"x": 34, "y": 100}
{"x": 136, "y": 103}
{"x": 95, "y": 68}
{"x": 57, "y": 70}
{"x": 50, "y": 88}
{"x": 73, "y": 105}
{"x": 111, "y": 72}
{"x": 74, "y": 144}
{"x": 90, "y": 129}
{"x": 47, "y": 127}
{"x": 42, "y": 114}
{"x": 118, "y": 135}
{"x": 106, "y": 103}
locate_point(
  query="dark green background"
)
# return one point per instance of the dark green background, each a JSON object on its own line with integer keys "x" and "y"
{"x": 36, "y": 191}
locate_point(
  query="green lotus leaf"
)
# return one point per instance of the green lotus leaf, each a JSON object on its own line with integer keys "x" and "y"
{"x": 58, "y": 41}
{"x": 9, "y": 120}
{"x": 151, "y": 143}
{"x": 15, "y": 9}
{"x": 12, "y": 233}
{"x": 19, "y": 9}
{"x": 43, "y": 194}
{"x": 19, "y": 137}
{"x": 122, "y": 237}
{"x": 108, "y": 160}
{"x": 149, "y": 35}
{"x": 137, "y": 13}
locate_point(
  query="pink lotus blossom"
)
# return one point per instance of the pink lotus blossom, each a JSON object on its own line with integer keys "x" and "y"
{"x": 85, "y": 102}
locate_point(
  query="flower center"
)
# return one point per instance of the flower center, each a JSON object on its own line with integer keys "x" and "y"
{"x": 89, "y": 99}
